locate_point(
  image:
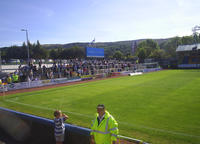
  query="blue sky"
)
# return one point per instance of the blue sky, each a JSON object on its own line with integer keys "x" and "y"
{"x": 67, "y": 21}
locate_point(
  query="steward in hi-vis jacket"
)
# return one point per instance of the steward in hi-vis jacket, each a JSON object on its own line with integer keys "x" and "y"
{"x": 104, "y": 127}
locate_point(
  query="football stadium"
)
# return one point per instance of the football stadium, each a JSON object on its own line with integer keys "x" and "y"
{"x": 105, "y": 72}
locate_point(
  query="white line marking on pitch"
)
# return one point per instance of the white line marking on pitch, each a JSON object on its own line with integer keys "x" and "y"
{"x": 123, "y": 123}
{"x": 46, "y": 108}
{"x": 160, "y": 130}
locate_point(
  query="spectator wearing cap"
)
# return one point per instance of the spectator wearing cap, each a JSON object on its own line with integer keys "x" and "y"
{"x": 104, "y": 127}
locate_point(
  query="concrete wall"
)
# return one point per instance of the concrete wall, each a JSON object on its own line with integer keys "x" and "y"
{"x": 20, "y": 128}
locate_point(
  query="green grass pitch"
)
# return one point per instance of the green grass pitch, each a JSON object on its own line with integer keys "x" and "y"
{"x": 160, "y": 107}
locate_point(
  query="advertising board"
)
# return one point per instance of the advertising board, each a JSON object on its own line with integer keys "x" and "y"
{"x": 94, "y": 52}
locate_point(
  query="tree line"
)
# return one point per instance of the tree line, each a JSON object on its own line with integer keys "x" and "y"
{"x": 148, "y": 48}
{"x": 37, "y": 51}
{"x": 166, "y": 50}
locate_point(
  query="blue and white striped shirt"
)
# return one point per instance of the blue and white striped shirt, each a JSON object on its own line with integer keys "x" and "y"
{"x": 59, "y": 126}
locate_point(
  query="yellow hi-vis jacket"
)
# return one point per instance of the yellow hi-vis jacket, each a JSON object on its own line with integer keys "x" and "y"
{"x": 106, "y": 131}
{"x": 15, "y": 78}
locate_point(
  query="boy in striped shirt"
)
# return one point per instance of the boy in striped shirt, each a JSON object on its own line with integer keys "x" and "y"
{"x": 59, "y": 126}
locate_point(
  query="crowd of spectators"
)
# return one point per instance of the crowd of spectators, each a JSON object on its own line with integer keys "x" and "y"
{"x": 68, "y": 69}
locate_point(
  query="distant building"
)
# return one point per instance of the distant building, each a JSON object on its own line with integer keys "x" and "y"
{"x": 134, "y": 47}
{"x": 188, "y": 56}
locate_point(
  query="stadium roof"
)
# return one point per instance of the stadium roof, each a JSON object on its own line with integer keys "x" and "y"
{"x": 188, "y": 47}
